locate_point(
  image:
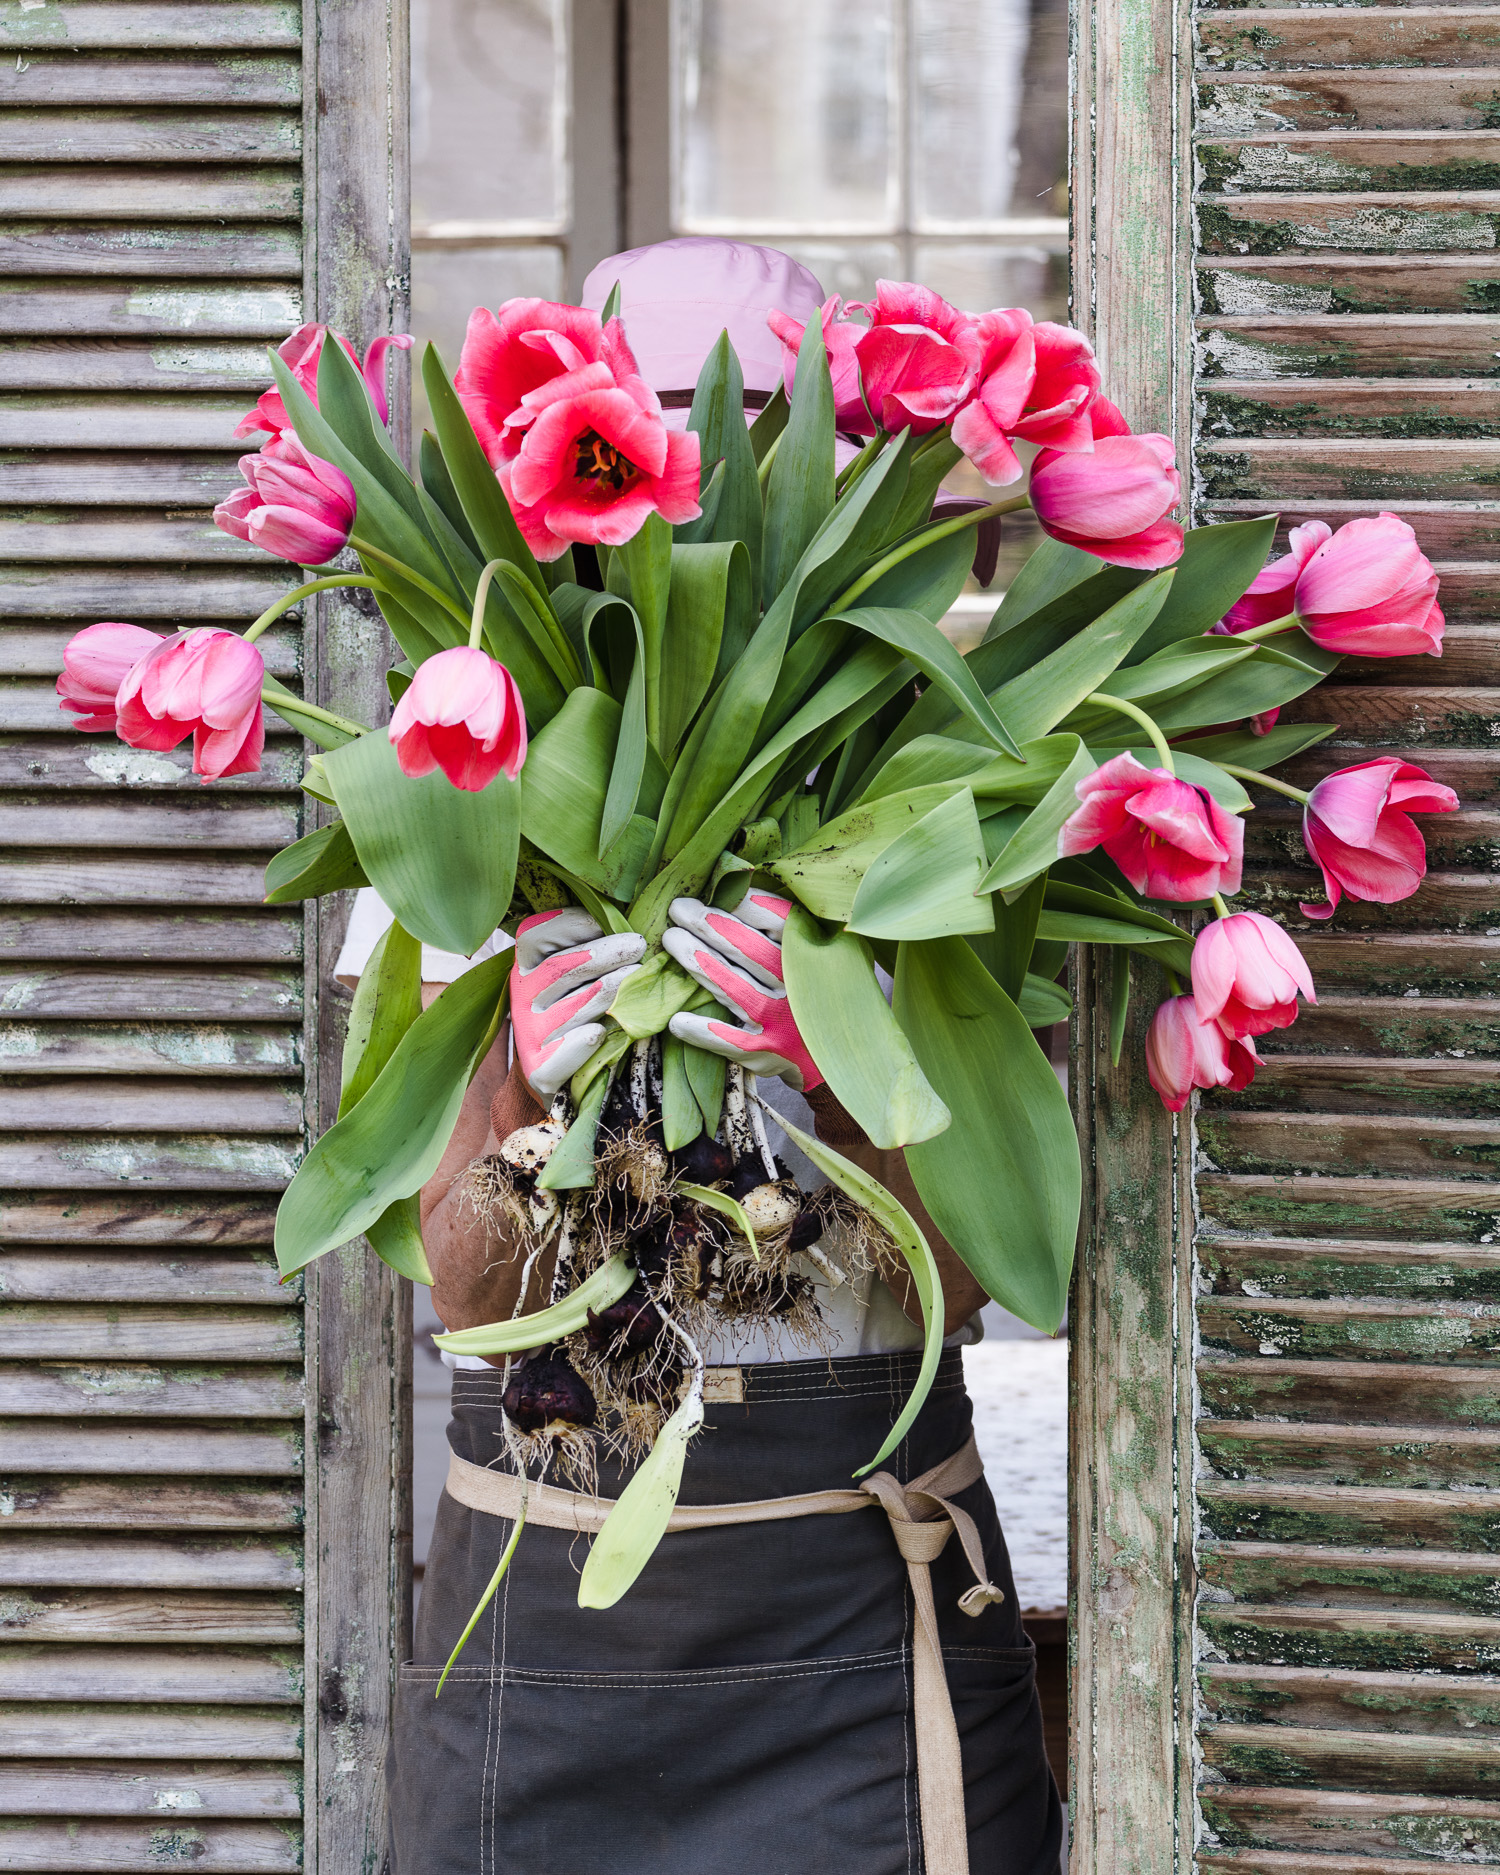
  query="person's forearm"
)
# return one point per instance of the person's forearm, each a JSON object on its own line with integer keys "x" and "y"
{"x": 475, "y": 1263}
{"x": 962, "y": 1294}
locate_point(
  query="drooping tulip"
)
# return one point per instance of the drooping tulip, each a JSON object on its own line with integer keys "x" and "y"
{"x": 203, "y": 683}
{"x": 919, "y": 359}
{"x": 461, "y": 713}
{"x": 527, "y": 344}
{"x": 596, "y": 460}
{"x": 1246, "y": 975}
{"x": 1170, "y": 839}
{"x": 1183, "y": 1052}
{"x": 1271, "y": 594}
{"x": 1113, "y": 500}
{"x": 840, "y": 337}
{"x": 300, "y": 353}
{"x": 1370, "y": 591}
{"x": 96, "y": 662}
{"x": 296, "y": 505}
{"x": 1357, "y": 825}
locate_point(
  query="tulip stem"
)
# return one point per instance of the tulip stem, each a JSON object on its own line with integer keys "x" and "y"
{"x": 919, "y": 541}
{"x": 1270, "y": 630}
{"x": 481, "y": 593}
{"x": 1265, "y": 781}
{"x": 299, "y": 593}
{"x": 1158, "y": 740}
{"x": 275, "y": 698}
{"x": 1219, "y": 906}
{"x": 408, "y": 573}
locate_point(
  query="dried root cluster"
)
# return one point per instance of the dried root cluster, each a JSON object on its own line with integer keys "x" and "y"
{"x": 612, "y": 1385}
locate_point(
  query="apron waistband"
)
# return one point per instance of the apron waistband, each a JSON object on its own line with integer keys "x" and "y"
{"x": 922, "y": 1518}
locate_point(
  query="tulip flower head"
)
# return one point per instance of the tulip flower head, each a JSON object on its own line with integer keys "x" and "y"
{"x": 529, "y": 344}
{"x": 1246, "y": 975}
{"x": 595, "y": 461}
{"x": 919, "y": 359}
{"x": 840, "y": 336}
{"x": 202, "y": 683}
{"x": 1170, "y": 839}
{"x": 300, "y": 353}
{"x": 1112, "y": 501}
{"x": 1035, "y": 382}
{"x": 1183, "y": 1052}
{"x": 96, "y": 662}
{"x": 1272, "y": 593}
{"x": 1357, "y": 825}
{"x": 461, "y": 713}
{"x": 1370, "y": 591}
{"x": 296, "y": 505}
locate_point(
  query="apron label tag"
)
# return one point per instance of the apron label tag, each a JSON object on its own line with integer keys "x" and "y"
{"x": 723, "y": 1385}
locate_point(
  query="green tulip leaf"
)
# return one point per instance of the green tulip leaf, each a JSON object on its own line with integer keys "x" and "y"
{"x": 396, "y": 1238}
{"x": 642, "y": 1511}
{"x": 320, "y": 862}
{"x": 386, "y": 1003}
{"x": 521, "y": 1333}
{"x": 926, "y": 883}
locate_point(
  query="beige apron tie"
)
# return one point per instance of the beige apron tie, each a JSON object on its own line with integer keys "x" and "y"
{"x": 922, "y": 1518}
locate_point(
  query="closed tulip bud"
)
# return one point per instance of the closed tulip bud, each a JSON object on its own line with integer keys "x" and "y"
{"x": 1113, "y": 500}
{"x": 840, "y": 336}
{"x": 1170, "y": 839}
{"x": 300, "y": 354}
{"x": 1183, "y": 1052}
{"x": 96, "y": 662}
{"x": 296, "y": 505}
{"x": 461, "y": 713}
{"x": 201, "y": 683}
{"x": 1358, "y": 827}
{"x": 1370, "y": 591}
{"x": 1246, "y": 975}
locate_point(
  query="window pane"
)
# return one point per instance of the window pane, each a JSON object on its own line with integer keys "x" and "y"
{"x": 989, "y": 110}
{"x": 447, "y": 283}
{"x": 848, "y": 267}
{"x": 977, "y": 275}
{"x": 489, "y": 113}
{"x": 785, "y": 114}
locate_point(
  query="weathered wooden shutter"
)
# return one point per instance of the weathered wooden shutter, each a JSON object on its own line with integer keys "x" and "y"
{"x": 1288, "y": 1586}
{"x": 171, "y": 1544}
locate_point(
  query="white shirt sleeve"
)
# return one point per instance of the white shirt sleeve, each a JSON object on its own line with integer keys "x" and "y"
{"x": 368, "y": 923}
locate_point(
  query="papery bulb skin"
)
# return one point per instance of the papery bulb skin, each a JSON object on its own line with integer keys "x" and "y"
{"x": 294, "y": 504}
{"x": 1369, "y": 591}
{"x": 626, "y": 1327}
{"x": 547, "y": 1394}
{"x": 205, "y": 684}
{"x": 96, "y": 661}
{"x": 1170, "y": 839}
{"x": 461, "y": 713}
{"x": 1357, "y": 826}
{"x": 1247, "y": 974}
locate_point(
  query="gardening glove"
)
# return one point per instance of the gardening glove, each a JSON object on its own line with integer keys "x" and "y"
{"x": 736, "y": 956}
{"x": 565, "y": 978}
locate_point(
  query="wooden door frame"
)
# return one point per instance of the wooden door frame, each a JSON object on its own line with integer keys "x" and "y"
{"x": 1131, "y": 1585}
{"x": 356, "y": 218}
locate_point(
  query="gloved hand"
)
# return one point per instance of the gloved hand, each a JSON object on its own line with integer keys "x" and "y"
{"x": 737, "y": 956}
{"x": 565, "y": 977}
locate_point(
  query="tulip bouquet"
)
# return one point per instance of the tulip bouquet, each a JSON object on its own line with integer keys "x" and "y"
{"x": 649, "y": 673}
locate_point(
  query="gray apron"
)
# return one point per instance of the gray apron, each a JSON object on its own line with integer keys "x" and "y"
{"x": 747, "y": 1705}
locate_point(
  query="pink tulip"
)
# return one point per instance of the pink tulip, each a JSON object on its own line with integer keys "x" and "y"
{"x": 919, "y": 359}
{"x": 1183, "y": 1052}
{"x": 596, "y": 460}
{"x": 1170, "y": 839}
{"x": 1358, "y": 827}
{"x": 840, "y": 336}
{"x": 1371, "y": 592}
{"x": 96, "y": 662}
{"x": 1112, "y": 501}
{"x": 529, "y": 343}
{"x": 202, "y": 683}
{"x": 1058, "y": 413}
{"x": 296, "y": 505}
{"x": 1271, "y": 594}
{"x": 461, "y": 713}
{"x": 301, "y": 353}
{"x": 1007, "y": 372}
{"x": 1246, "y": 975}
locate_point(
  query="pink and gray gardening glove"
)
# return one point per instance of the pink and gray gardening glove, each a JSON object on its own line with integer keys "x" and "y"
{"x": 737, "y": 957}
{"x": 565, "y": 977}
